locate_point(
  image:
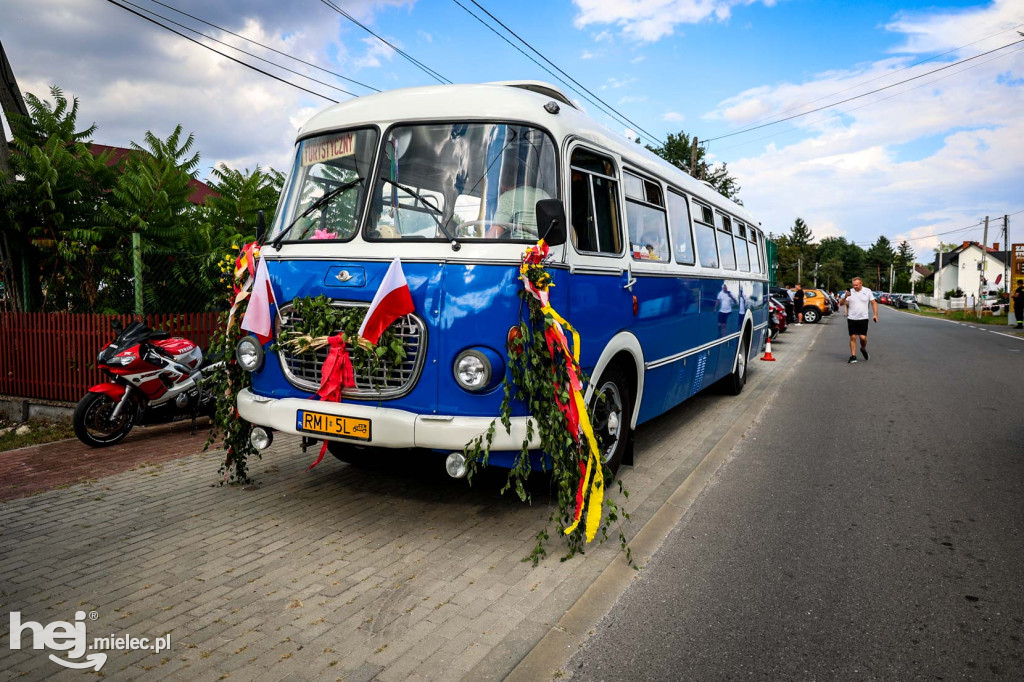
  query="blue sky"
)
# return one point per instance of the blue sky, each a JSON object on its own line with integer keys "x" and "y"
{"x": 927, "y": 157}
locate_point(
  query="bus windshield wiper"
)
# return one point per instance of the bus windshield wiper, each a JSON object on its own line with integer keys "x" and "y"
{"x": 423, "y": 200}
{"x": 322, "y": 201}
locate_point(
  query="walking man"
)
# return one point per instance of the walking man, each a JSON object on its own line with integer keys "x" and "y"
{"x": 1018, "y": 303}
{"x": 856, "y": 301}
{"x": 798, "y": 304}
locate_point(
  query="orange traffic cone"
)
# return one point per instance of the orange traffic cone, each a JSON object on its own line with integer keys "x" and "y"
{"x": 768, "y": 351}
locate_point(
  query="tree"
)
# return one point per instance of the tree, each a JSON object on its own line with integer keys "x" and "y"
{"x": 50, "y": 201}
{"x": 903, "y": 262}
{"x": 677, "y": 150}
{"x": 879, "y": 258}
{"x": 800, "y": 235}
{"x": 231, "y": 215}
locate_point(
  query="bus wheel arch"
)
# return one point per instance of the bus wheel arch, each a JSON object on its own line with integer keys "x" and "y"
{"x": 625, "y": 352}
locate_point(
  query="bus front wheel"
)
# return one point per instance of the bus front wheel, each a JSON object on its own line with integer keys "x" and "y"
{"x": 612, "y": 407}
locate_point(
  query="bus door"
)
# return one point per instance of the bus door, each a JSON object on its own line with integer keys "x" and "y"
{"x": 601, "y": 283}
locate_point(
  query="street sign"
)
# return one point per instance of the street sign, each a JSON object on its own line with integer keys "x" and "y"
{"x": 1017, "y": 267}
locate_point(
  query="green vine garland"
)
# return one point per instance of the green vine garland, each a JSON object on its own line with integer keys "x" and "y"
{"x": 316, "y": 318}
{"x": 225, "y": 386}
{"x": 536, "y": 380}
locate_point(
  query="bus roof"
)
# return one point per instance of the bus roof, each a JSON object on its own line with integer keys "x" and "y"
{"x": 513, "y": 101}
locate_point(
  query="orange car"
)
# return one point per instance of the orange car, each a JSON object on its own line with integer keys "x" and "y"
{"x": 816, "y": 305}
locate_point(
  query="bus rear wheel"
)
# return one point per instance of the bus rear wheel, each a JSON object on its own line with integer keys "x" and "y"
{"x": 612, "y": 407}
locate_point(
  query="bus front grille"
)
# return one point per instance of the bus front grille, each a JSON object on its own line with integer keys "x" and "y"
{"x": 302, "y": 370}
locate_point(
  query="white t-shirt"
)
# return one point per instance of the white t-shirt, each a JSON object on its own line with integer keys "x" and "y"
{"x": 724, "y": 302}
{"x": 858, "y": 303}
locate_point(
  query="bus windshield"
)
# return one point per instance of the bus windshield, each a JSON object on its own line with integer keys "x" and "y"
{"x": 324, "y": 194}
{"x": 465, "y": 181}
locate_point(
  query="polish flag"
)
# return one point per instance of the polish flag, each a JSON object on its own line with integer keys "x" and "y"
{"x": 391, "y": 301}
{"x": 257, "y": 314}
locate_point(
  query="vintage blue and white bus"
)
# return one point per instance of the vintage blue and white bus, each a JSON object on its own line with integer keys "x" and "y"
{"x": 664, "y": 278}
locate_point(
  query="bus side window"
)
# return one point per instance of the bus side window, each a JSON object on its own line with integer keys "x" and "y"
{"x": 742, "y": 257}
{"x": 679, "y": 217}
{"x": 645, "y": 220}
{"x": 594, "y": 205}
{"x": 725, "y": 245}
{"x": 755, "y": 253}
{"x": 704, "y": 227}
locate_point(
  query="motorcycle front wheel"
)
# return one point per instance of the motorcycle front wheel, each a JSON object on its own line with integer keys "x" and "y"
{"x": 94, "y": 425}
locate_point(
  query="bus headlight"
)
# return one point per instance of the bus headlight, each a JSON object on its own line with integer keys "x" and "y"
{"x": 472, "y": 370}
{"x": 249, "y": 353}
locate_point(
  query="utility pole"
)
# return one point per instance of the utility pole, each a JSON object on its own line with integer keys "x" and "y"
{"x": 981, "y": 270}
{"x": 800, "y": 270}
{"x": 815, "y": 275}
{"x": 693, "y": 156}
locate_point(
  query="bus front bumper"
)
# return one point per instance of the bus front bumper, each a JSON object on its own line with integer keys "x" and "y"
{"x": 390, "y": 428}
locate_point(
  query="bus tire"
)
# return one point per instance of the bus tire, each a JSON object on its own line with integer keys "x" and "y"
{"x": 735, "y": 382}
{"x": 612, "y": 416}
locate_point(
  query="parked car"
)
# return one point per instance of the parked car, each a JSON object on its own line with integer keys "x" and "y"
{"x": 884, "y": 298}
{"x": 908, "y": 301}
{"x": 816, "y": 305}
{"x": 779, "y": 314}
{"x": 782, "y": 296}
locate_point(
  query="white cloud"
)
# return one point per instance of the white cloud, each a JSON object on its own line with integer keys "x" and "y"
{"x": 616, "y": 83}
{"x": 587, "y": 54}
{"x": 637, "y": 60}
{"x": 922, "y": 158}
{"x": 628, "y": 99}
{"x": 651, "y": 20}
{"x": 375, "y": 51}
{"x": 672, "y": 117}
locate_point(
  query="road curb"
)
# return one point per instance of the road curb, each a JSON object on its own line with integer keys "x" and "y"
{"x": 550, "y": 655}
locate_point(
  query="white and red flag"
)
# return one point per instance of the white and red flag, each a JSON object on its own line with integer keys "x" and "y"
{"x": 258, "y": 319}
{"x": 392, "y": 300}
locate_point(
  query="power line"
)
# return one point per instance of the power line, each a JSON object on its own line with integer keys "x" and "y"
{"x": 226, "y": 56}
{"x": 265, "y": 47}
{"x": 250, "y": 54}
{"x": 555, "y": 66}
{"x": 546, "y": 69}
{"x": 801, "y": 126}
{"x": 941, "y": 234}
{"x": 884, "y": 75}
{"x": 870, "y": 92}
{"x": 426, "y": 69}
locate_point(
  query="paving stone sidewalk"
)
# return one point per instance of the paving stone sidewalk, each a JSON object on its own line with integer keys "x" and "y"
{"x": 391, "y": 572}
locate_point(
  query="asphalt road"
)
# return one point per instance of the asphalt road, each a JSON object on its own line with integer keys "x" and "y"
{"x": 870, "y": 526}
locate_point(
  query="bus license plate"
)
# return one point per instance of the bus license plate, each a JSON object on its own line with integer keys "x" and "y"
{"x": 332, "y": 425}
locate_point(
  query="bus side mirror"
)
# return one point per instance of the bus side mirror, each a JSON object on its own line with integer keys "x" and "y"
{"x": 551, "y": 221}
{"x": 261, "y": 226}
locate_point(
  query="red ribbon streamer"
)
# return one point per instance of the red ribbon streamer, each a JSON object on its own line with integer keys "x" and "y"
{"x": 336, "y": 374}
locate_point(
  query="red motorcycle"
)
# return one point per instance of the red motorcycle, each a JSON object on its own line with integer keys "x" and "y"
{"x": 154, "y": 379}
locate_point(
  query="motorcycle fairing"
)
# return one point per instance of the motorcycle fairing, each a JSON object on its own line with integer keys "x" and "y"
{"x": 111, "y": 390}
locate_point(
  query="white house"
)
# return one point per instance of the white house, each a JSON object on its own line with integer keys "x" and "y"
{"x": 961, "y": 268}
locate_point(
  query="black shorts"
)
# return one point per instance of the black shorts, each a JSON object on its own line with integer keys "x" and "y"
{"x": 857, "y": 327}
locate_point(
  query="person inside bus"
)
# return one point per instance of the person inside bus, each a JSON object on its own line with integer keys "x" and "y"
{"x": 651, "y": 243}
{"x": 517, "y": 207}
